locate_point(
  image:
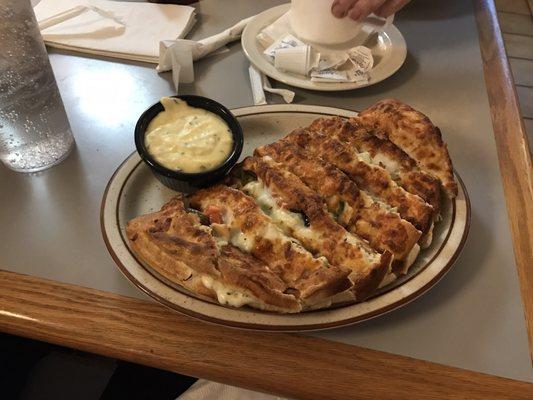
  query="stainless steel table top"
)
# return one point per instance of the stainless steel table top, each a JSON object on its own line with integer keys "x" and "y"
{"x": 472, "y": 319}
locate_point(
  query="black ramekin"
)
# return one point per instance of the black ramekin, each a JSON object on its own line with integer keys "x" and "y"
{"x": 183, "y": 181}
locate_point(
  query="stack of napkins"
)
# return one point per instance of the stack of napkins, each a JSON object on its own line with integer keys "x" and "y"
{"x": 290, "y": 54}
{"x": 128, "y": 30}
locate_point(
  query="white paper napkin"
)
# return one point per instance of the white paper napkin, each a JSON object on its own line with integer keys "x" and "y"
{"x": 128, "y": 30}
{"x": 275, "y": 31}
{"x": 178, "y": 55}
{"x": 207, "y": 390}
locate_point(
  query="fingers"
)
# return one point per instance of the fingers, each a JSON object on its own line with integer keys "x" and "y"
{"x": 390, "y": 7}
{"x": 340, "y": 8}
{"x": 360, "y": 9}
{"x": 363, "y": 8}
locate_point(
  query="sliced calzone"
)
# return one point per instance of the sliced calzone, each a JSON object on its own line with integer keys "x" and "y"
{"x": 415, "y": 134}
{"x": 354, "y": 209}
{"x": 402, "y": 168}
{"x": 369, "y": 177}
{"x": 302, "y": 213}
{"x": 235, "y": 218}
{"x": 177, "y": 246}
{"x": 325, "y": 215}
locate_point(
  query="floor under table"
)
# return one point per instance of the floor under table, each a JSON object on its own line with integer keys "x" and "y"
{"x": 32, "y": 370}
{"x": 516, "y": 22}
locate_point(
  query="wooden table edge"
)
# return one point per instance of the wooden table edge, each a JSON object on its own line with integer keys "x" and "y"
{"x": 289, "y": 365}
{"x": 285, "y": 364}
{"x": 512, "y": 148}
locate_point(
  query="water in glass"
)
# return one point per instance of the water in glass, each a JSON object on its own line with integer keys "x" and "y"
{"x": 34, "y": 130}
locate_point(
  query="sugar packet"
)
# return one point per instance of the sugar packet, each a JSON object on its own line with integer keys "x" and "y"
{"x": 284, "y": 42}
{"x": 361, "y": 57}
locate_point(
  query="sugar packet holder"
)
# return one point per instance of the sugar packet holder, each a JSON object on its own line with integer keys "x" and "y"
{"x": 297, "y": 60}
{"x": 290, "y": 54}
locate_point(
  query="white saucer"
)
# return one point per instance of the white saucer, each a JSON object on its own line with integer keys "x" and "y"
{"x": 388, "y": 48}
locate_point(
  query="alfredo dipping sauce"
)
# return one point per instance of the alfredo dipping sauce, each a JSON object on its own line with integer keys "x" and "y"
{"x": 188, "y": 139}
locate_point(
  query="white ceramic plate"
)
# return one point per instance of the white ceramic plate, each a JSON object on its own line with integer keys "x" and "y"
{"x": 133, "y": 191}
{"x": 388, "y": 48}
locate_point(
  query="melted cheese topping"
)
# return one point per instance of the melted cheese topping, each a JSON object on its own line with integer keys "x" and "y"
{"x": 288, "y": 221}
{"x": 369, "y": 255}
{"x": 225, "y": 294}
{"x": 381, "y": 161}
{"x": 188, "y": 139}
{"x": 365, "y": 157}
{"x": 370, "y": 199}
{"x": 242, "y": 240}
{"x": 389, "y": 164}
{"x": 292, "y": 223}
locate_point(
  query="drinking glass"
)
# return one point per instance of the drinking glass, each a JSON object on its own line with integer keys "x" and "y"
{"x": 34, "y": 130}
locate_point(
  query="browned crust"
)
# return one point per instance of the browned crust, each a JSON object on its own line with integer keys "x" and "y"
{"x": 245, "y": 271}
{"x": 301, "y": 272}
{"x": 424, "y": 185}
{"x": 415, "y": 134}
{"x": 371, "y": 178}
{"x": 172, "y": 242}
{"x": 405, "y": 172}
{"x": 358, "y": 135}
{"x": 384, "y": 230}
{"x": 172, "y": 234}
{"x": 332, "y": 243}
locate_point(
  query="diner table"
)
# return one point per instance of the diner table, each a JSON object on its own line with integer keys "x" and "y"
{"x": 465, "y": 338}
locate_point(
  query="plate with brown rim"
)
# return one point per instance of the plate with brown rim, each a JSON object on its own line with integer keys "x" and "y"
{"x": 133, "y": 191}
{"x": 388, "y": 49}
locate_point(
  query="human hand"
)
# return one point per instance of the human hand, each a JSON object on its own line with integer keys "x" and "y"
{"x": 359, "y": 9}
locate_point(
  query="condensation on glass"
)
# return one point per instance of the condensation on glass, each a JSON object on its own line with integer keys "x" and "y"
{"x": 34, "y": 130}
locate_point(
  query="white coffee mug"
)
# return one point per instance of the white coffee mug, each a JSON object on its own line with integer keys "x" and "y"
{"x": 312, "y": 21}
